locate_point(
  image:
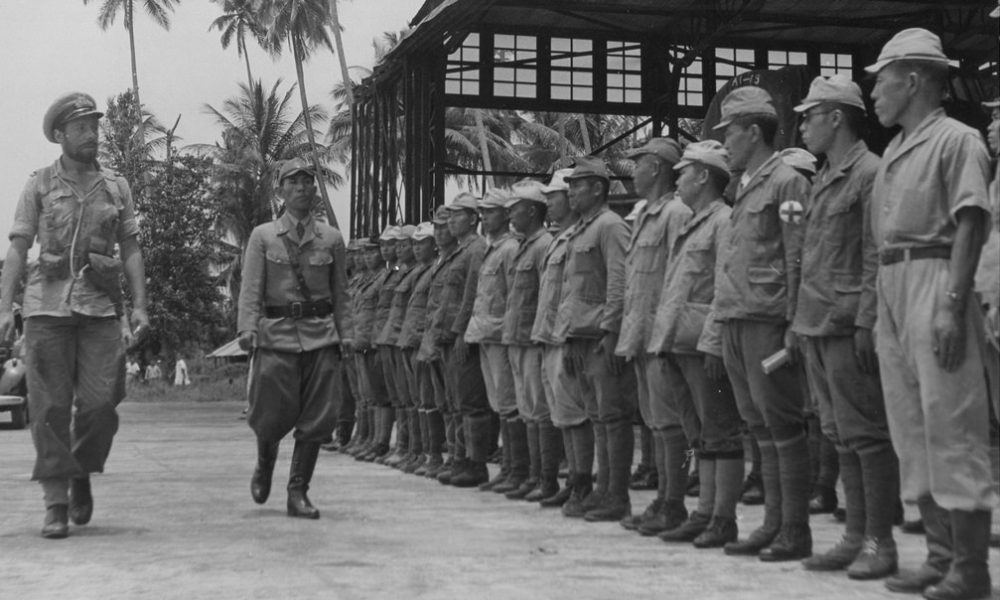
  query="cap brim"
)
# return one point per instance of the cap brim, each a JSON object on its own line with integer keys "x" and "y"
{"x": 585, "y": 176}
{"x": 636, "y": 152}
{"x": 682, "y": 163}
{"x": 801, "y": 108}
{"x": 722, "y": 124}
{"x": 878, "y": 66}
{"x": 548, "y": 189}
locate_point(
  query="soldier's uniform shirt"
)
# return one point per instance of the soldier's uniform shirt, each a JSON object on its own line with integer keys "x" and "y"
{"x": 416, "y": 288}
{"x": 63, "y": 312}
{"x": 429, "y": 352}
{"x": 561, "y": 390}
{"x": 519, "y": 318}
{"x": 295, "y": 376}
{"x": 370, "y": 376}
{"x": 755, "y": 294}
{"x": 938, "y": 419}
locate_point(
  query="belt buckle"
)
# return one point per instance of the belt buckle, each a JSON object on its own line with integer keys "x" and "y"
{"x": 296, "y": 308}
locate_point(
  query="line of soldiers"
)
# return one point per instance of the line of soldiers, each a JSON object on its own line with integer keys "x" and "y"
{"x": 702, "y": 317}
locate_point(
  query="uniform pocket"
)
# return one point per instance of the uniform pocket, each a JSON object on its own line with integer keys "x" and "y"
{"x": 762, "y": 216}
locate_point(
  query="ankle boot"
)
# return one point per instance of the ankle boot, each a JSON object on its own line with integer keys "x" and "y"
{"x": 600, "y": 450}
{"x": 937, "y": 523}
{"x": 846, "y": 551}
{"x": 81, "y": 501}
{"x": 56, "y": 524}
{"x": 260, "y": 483}
{"x": 402, "y": 439}
{"x": 418, "y": 441}
{"x": 436, "y": 440}
{"x": 633, "y": 522}
{"x": 473, "y": 474}
{"x": 880, "y": 475}
{"x": 969, "y": 576}
{"x": 582, "y": 488}
{"x": 549, "y": 449}
{"x": 534, "y": 465}
{"x": 517, "y": 435}
{"x": 762, "y": 537}
{"x": 695, "y": 525}
{"x": 300, "y": 474}
{"x": 620, "y": 442}
{"x": 793, "y": 542}
{"x": 878, "y": 558}
{"x": 720, "y": 532}
{"x": 671, "y": 517}
{"x": 501, "y": 477}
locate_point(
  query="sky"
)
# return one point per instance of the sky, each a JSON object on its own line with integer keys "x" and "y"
{"x": 52, "y": 47}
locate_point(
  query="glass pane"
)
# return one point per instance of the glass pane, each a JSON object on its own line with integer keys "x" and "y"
{"x": 827, "y": 60}
{"x": 745, "y": 56}
{"x": 584, "y": 78}
{"x": 633, "y": 64}
{"x": 560, "y": 92}
{"x": 614, "y": 45}
{"x": 695, "y": 99}
{"x": 470, "y": 88}
{"x": 585, "y": 94}
{"x": 615, "y": 63}
{"x": 562, "y": 62}
{"x": 560, "y": 45}
{"x": 526, "y": 42}
{"x": 452, "y": 86}
{"x": 561, "y": 77}
{"x": 526, "y": 55}
{"x": 470, "y": 54}
{"x": 615, "y": 80}
{"x": 504, "y": 74}
{"x": 503, "y": 89}
{"x": 584, "y": 62}
{"x": 728, "y": 53}
{"x": 616, "y": 95}
{"x": 503, "y": 41}
{"x": 694, "y": 68}
{"x": 846, "y": 60}
{"x": 694, "y": 85}
{"x": 582, "y": 45}
{"x": 777, "y": 57}
{"x": 633, "y": 81}
{"x": 633, "y": 96}
{"x": 797, "y": 58}
{"x": 526, "y": 91}
{"x": 526, "y": 75}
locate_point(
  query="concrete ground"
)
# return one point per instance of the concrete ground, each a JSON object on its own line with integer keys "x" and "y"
{"x": 174, "y": 519}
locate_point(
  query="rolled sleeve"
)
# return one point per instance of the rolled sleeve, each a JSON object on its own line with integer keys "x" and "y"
{"x": 127, "y": 225}
{"x": 26, "y": 215}
{"x": 967, "y": 167}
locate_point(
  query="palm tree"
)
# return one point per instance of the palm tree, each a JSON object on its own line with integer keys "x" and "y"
{"x": 302, "y": 25}
{"x": 345, "y": 75}
{"x": 156, "y": 9}
{"x": 240, "y": 18}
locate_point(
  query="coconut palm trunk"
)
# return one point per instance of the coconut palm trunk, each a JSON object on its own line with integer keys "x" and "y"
{"x": 339, "y": 41}
{"x": 130, "y": 23}
{"x": 484, "y": 148}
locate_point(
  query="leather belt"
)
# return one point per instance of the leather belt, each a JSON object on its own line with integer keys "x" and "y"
{"x": 890, "y": 256}
{"x": 299, "y": 310}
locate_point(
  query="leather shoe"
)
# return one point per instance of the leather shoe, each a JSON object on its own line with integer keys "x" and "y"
{"x": 81, "y": 502}
{"x": 914, "y": 582}
{"x": 632, "y": 522}
{"x": 300, "y": 506}
{"x": 720, "y": 531}
{"x": 877, "y": 559}
{"x": 695, "y": 524}
{"x": 611, "y": 509}
{"x": 559, "y": 498}
{"x": 793, "y": 542}
{"x": 671, "y": 517}
{"x": 839, "y": 557}
{"x": 56, "y": 525}
{"x": 472, "y": 475}
{"x": 759, "y": 539}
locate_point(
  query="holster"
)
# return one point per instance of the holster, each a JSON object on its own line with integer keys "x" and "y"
{"x": 104, "y": 273}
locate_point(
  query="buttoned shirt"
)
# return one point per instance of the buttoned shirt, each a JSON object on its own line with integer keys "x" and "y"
{"x": 522, "y": 300}
{"x": 593, "y": 288}
{"x": 550, "y": 288}
{"x": 492, "y": 287}
{"x": 398, "y": 296}
{"x": 434, "y": 327}
{"x": 683, "y": 321}
{"x": 270, "y": 280}
{"x": 415, "y": 319}
{"x": 384, "y": 302}
{"x": 839, "y": 258}
{"x": 51, "y": 206}
{"x": 653, "y": 234}
{"x": 760, "y": 261}
{"x": 366, "y": 301}
{"x": 459, "y": 292}
{"x": 924, "y": 179}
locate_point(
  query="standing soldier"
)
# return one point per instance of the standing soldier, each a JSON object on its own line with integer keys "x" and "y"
{"x": 561, "y": 390}
{"x": 930, "y": 217}
{"x": 687, "y": 334}
{"x": 79, "y": 212}
{"x": 588, "y": 322}
{"x": 486, "y": 330}
{"x": 430, "y": 356}
{"x": 462, "y": 370}
{"x": 425, "y": 437}
{"x": 396, "y": 291}
{"x": 294, "y": 314}
{"x": 835, "y": 315}
{"x": 347, "y": 408}
{"x": 358, "y": 275}
{"x": 755, "y": 299}
{"x": 672, "y": 425}
{"x": 527, "y": 216}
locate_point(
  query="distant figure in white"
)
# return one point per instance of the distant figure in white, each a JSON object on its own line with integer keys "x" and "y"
{"x": 181, "y": 373}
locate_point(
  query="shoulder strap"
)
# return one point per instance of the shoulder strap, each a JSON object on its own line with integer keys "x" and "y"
{"x": 294, "y": 259}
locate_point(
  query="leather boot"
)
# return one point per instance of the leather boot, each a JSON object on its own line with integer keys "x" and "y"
{"x": 435, "y": 442}
{"x": 410, "y": 431}
{"x": 260, "y": 483}
{"x": 300, "y": 474}
{"x": 56, "y": 524}
{"x": 81, "y": 502}
{"x": 720, "y": 532}
{"x": 450, "y": 469}
{"x": 504, "y": 473}
{"x": 549, "y": 449}
{"x": 534, "y": 464}
{"x": 793, "y": 542}
{"x": 402, "y": 439}
{"x": 600, "y": 453}
{"x": 620, "y": 447}
{"x": 695, "y": 525}
{"x": 880, "y": 473}
{"x": 846, "y": 551}
{"x": 672, "y": 516}
{"x": 937, "y": 523}
{"x": 582, "y": 488}
{"x": 474, "y": 473}
{"x": 633, "y": 522}
{"x": 644, "y": 476}
{"x": 418, "y": 441}
{"x": 517, "y": 435}
{"x": 345, "y": 433}
{"x": 969, "y": 576}
{"x": 761, "y": 537}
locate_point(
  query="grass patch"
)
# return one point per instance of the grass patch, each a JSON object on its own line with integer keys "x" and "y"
{"x": 208, "y": 384}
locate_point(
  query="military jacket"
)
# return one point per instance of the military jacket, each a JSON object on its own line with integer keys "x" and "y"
{"x": 760, "y": 262}
{"x": 415, "y": 319}
{"x": 383, "y": 304}
{"x": 434, "y": 327}
{"x": 524, "y": 275}
{"x": 683, "y": 322}
{"x": 461, "y": 267}
{"x": 550, "y": 288}
{"x": 269, "y": 280}
{"x": 839, "y": 258}
{"x": 366, "y": 301}
{"x": 400, "y": 293}
{"x": 50, "y": 208}
{"x": 492, "y": 288}
{"x": 593, "y": 288}
{"x": 652, "y": 238}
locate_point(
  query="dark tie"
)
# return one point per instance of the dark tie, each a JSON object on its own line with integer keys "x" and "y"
{"x": 300, "y": 230}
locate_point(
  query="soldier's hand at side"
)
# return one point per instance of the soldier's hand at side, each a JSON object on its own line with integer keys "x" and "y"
{"x": 616, "y": 364}
{"x": 140, "y": 321}
{"x": 6, "y": 325}
{"x": 346, "y": 349}
{"x": 714, "y": 368}
{"x": 949, "y": 337}
{"x": 864, "y": 350}
{"x": 248, "y": 341}
{"x": 461, "y": 350}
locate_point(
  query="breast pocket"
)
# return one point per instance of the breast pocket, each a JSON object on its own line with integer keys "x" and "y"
{"x": 649, "y": 251}
{"x": 762, "y": 219}
{"x": 587, "y": 273}
{"x": 699, "y": 257}
{"x": 843, "y": 222}
{"x": 526, "y": 282}
{"x": 57, "y": 220}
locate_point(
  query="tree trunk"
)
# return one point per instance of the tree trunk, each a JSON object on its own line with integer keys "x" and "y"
{"x": 320, "y": 180}
{"x": 130, "y": 25}
{"x": 484, "y": 148}
{"x": 584, "y": 133}
{"x": 339, "y": 41}
{"x": 246, "y": 58}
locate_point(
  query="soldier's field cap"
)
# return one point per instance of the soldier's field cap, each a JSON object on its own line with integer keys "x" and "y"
{"x": 495, "y": 198}
{"x": 800, "y": 159}
{"x": 589, "y": 166}
{"x": 664, "y": 148}
{"x": 746, "y": 101}
{"x": 406, "y": 232}
{"x": 423, "y": 231}
{"x": 910, "y": 44}
{"x": 558, "y": 181}
{"x": 836, "y": 88}
{"x": 465, "y": 201}
{"x": 67, "y": 108}
{"x": 440, "y": 216}
{"x": 293, "y": 166}
{"x": 527, "y": 189}
{"x": 709, "y": 153}
{"x": 368, "y": 243}
{"x": 389, "y": 234}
